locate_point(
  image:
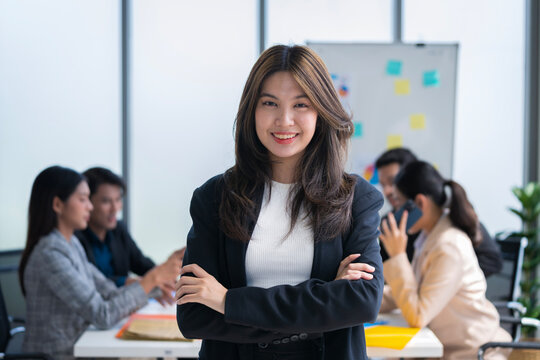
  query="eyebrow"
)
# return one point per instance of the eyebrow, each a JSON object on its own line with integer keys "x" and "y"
{"x": 275, "y": 97}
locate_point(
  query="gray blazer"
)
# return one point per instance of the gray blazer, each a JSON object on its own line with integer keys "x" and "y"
{"x": 65, "y": 293}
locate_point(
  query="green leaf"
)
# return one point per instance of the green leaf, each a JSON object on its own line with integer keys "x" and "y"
{"x": 522, "y": 216}
{"x": 529, "y": 189}
{"x": 518, "y": 192}
{"x": 536, "y": 210}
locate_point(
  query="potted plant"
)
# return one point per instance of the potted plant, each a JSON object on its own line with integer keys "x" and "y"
{"x": 529, "y": 197}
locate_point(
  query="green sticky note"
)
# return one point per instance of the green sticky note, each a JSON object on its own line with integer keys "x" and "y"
{"x": 431, "y": 78}
{"x": 393, "y": 67}
{"x": 357, "y": 129}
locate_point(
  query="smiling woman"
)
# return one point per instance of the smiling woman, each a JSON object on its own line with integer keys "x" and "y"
{"x": 271, "y": 267}
{"x": 285, "y": 123}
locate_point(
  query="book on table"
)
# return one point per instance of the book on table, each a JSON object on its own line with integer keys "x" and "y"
{"x": 160, "y": 327}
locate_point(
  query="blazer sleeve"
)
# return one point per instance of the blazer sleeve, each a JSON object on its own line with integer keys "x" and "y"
{"x": 488, "y": 254}
{"x": 82, "y": 297}
{"x": 197, "y": 321}
{"x": 315, "y": 305}
{"x": 421, "y": 302}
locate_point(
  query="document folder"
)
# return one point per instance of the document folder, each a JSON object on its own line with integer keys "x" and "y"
{"x": 160, "y": 327}
{"x": 392, "y": 337}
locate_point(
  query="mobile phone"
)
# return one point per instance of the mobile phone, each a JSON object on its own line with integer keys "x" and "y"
{"x": 414, "y": 214}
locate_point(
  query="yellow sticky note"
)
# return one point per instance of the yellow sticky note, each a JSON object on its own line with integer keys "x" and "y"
{"x": 418, "y": 121}
{"x": 402, "y": 87}
{"x": 394, "y": 141}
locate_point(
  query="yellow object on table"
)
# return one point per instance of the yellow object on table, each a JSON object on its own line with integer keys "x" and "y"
{"x": 392, "y": 337}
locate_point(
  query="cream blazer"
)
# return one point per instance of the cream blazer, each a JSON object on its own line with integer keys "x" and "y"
{"x": 445, "y": 289}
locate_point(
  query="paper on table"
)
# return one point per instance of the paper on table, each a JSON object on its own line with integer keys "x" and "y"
{"x": 151, "y": 327}
{"x": 392, "y": 337}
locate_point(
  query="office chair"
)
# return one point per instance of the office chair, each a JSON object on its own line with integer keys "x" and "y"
{"x": 504, "y": 291}
{"x": 521, "y": 346}
{"x": 8, "y": 335}
{"x": 9, "y": 278}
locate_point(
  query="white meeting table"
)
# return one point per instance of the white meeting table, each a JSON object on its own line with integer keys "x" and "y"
{"x": 103, "y": 343}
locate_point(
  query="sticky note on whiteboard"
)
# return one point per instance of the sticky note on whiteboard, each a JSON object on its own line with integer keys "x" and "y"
{"x": 357, "y": 129}
{"x": 417, "y": 121}
{"x": 394, "y": 141}
{"x": 431, "y": 78}
{"x": 393, "y": 67}
{"x": 402, "y": 87}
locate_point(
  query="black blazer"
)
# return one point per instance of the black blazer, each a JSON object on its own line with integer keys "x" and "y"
{"x": 334, "y": 309}
{"x": 126, "y": 256}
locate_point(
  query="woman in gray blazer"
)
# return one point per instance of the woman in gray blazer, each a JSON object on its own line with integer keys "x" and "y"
{"x": 64, "y": 292}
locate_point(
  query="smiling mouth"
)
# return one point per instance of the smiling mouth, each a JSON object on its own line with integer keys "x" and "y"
{"x": 284, "y": 136}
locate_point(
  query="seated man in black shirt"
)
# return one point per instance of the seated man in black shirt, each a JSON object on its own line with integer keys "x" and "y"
{"x": 388, "y": 166}
{"x": 107, "y": 242}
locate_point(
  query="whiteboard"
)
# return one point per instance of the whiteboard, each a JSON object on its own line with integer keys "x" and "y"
{"x": 399, "y": 95}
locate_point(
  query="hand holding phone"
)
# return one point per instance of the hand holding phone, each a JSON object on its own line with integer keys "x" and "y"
{"x": 414, "y": 214}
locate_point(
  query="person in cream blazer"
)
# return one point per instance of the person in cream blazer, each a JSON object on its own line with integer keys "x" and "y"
{"x": 444, "y": 287}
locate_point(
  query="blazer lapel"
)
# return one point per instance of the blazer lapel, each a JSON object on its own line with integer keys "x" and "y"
{"x": 326, "y": 257}
{"x": 235, "y": 250}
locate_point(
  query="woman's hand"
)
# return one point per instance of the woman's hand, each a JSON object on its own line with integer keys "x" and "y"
{"x": 394, "y": 238}
{"x": 354, "y": 271}
{"x": 202, "y": 288}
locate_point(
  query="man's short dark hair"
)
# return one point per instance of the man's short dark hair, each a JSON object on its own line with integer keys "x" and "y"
{"x": 402, "y": 156}
{"x": 97, "y": 176}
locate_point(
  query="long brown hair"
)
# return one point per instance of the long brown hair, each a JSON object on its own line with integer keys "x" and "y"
{"x": 55, "y": 181}
{"x": 419, "y": 177}
{"x": 322, "y": 186}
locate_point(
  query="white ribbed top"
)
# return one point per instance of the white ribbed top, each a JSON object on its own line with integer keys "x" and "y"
{"x": 272, "y": 259}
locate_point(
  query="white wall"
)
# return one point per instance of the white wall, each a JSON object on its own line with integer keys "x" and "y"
{"x": 488, "y": 152}
{"x": 298, "y": 21}
{"x": 190, "y": 64}
{"x": 59, "y": 96}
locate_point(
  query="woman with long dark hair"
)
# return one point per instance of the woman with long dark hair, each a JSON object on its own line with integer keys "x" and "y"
{"x": 271, "y": 265}
{"x": 444, "y": 287}
{"x": 64, "y": 292}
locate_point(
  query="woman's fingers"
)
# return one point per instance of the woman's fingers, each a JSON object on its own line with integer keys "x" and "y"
{"x": 190, "y": 298}
{"x": 187, "y": 289}
{"x": 195, "y": 269}
{"x": 385, "y": 228}
{"x": 361, "y": 267}
{"x": 357, "y": 275}
{"x": 392, "y": 222}
{"x": 403, "y": 222}
{"x": 343, "y": 264}
{"x": 348, "y": 260}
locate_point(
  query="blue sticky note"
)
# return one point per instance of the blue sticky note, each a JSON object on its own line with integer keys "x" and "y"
{"x": 375, "y": 178}
{"x": 431, "y": 78}
{"x": 393, "y": 67}
{"x": 357, "y": 129}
